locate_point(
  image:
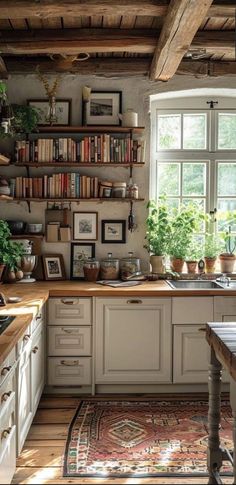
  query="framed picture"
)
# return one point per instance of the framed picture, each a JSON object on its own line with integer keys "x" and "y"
{"x": 103, "y": 108}
{"x": 114, "y": 231}
{"x": 85, "y": 225}
{"x": 79, "y": 253}
{"x": 63, "y": 111}
{"x": 53, "y": 266}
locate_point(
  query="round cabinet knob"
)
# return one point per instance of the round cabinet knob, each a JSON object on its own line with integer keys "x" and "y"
{"x": 5, "y": 370}
{"x": 6, "y": 396}
{"x": 35, "y": 350}
{"x": 26, "y": 338}
{"x": 6, "y": 433}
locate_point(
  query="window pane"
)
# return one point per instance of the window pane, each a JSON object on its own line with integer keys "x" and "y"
{"x": 194, "y": 131}
{"x": 169, "y": 128}
{"x": 194, "y": 179}
{"x": 201, "y": 204}
{"x": 226, "y": 131}
{"x": 173, "y": 203}
{"x": 168, "y": 178}
{"x": 227, "y": 179}
{"x": 224, "y": 206}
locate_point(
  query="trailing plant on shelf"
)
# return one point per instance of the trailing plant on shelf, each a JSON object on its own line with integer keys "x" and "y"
{"x": 26, "y": 118}
{"x": 10, "y": 251}
{"x": 157, "y": 234}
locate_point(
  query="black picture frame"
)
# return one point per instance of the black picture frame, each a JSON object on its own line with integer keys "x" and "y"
{"x": 76, "y": 270}
{"x": 113, "y": 239}
{"x": 43, "y": 104}
{"x": 100, "y": 119}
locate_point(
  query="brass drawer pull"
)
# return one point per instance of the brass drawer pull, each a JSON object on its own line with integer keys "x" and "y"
{"x": 134, "y": 301}
{"x": 6, "y": 396}
{"x": 68, "y": 302}
{"x": 70, "y": 363}
{"x": 67, "y": 330}
{"x": 5, "y": 370}
{"x": 5, "y": 433}
{"x": 39, "y": 317}
{"x": 26, "y": 338}
{"x": 202, "y": 329}
{"x": 35, "y": 350}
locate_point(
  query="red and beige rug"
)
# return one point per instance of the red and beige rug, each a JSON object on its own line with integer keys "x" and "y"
{"x": 141, "y": 439}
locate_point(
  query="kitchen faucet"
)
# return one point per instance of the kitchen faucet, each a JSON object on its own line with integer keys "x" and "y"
{"x": 223, "y": 278}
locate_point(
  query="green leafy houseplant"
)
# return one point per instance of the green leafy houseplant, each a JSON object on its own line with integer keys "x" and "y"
{"x": 157, "y": 234}
{"x": 26, "y": 118}
{"x": 10, "y": 251}
{"x": 213, "y": 246}
{"x": 227, "y": 258}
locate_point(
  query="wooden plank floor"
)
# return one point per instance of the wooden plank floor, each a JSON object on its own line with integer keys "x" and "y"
{"x": 41, "y": 459}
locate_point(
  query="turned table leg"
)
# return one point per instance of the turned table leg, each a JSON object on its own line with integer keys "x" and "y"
{"x": 214, "y": 452}
{"x": 233, "y": 407}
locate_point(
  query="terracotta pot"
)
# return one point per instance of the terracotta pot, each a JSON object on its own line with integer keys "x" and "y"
{"x": 177, "y": 264}
{"x": 158, "y": 264}
{"x": 191, "y": 266}
{"x": 210, "y": 265}
{"x": 2, "y": 267}
{"x": 227, "y": 262}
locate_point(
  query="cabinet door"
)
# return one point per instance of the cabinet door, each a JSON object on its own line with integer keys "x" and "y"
{"x": 37, "y": 366}
{"x": 133, "y": 340}
{"x": 25, "y": 404}
{"x": 191, "y": 355}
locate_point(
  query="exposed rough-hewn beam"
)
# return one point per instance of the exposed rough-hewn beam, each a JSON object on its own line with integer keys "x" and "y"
{"x": 3, "y": 69}
{"x": 72, "y": 41}
{"x": 21, "y": 9}
{"x": 181, "y": 24}
{"x": 116, "y": 67}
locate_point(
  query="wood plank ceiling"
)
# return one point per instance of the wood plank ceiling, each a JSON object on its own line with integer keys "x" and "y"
{"x": 155, "y": 38}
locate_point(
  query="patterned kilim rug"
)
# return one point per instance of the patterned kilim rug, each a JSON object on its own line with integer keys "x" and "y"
{"x": 141, "y": 439}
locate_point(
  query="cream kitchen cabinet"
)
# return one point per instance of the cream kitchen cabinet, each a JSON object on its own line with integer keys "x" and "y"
{"x": 37, "y": 365}
{"x": 8, "y": 419}
{"x": 133, "y": 341}
{"x": 190, "y": 349}
{"x": 225, "y": 309}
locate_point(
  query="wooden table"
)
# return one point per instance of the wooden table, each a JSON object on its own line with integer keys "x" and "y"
{"x": 222, "y": 339}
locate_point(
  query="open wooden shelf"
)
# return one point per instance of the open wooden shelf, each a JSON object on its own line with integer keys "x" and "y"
{"x": 78, "y": 164}
{"x": 27, "y": 236}
{"x": 99, "y": 199}
{"x": 90, "y": 129}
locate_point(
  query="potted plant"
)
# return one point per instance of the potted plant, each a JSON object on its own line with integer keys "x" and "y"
{"x": 227, "y": 259}
{"x": 25, "y": 118}
{"x": 193, "y": 255}
{"x": 212, "y": 249}
{"x": 157, "y": 234}
{"x": 184, "y": 222}
{"x": 10, "y": 254}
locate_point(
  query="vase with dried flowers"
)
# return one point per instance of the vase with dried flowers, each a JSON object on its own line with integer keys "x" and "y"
{"x": 51, "y": 93}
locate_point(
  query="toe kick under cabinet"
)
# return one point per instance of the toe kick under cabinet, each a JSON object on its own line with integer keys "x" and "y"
{"x": 133, "y": 340}
{"x": 69, "y": 336}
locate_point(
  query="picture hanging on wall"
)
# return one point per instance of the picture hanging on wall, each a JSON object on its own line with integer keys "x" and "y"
{"x": 103, "y": 108}
{"x": 79, "y": 253}
{"x": 114, "y": 231}
{"x": 62, "y": 114}
{"x": 85, "y": 226}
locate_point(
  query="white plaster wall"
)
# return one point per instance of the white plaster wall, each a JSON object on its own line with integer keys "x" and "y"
{"x": 136, "y": 95}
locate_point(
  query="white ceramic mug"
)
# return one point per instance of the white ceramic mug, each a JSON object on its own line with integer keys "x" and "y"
{"x": 129, "y": 118}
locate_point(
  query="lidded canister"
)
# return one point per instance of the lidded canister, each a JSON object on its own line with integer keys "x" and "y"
{"x": 110, "y": 268}
{"x": 130, "y": 266}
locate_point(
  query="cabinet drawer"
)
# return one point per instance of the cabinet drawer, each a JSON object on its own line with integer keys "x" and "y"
{"x": 8, "y": 419}
{"x": 8, "y": 456}
{"x": 7, "y": 390}
{"x": 37, "y": 320}
{"x": 69, "y": 371}
{"x": 225, "y": 305}
{"x": 192, "y": 310}
{"x": 69, "y": 311}
{"x": 7, "y": 365}
{"x": 69, "y": 341}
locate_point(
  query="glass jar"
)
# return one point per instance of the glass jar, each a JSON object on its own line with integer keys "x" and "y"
{"x": 104, "y": 185}
{"x": 130, "y": 266}
{"x": 109, "y": 268}
{"x": 119, "y": 190}
{"x": 91, "y": 269}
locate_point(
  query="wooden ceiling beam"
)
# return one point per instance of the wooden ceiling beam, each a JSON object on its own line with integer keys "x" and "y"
{"x": 104, "y": 40}
{"x": 109, "y": 67}
{"x": 21, "y": 9}
{"x": 181, "y": 25}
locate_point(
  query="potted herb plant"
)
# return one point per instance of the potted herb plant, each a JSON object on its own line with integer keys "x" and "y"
{"x": 10, "y": 254}
{"x": 227, "y": 259}
{"x": 157, "y": 234}
{"x": 194, "y": 253}
{"x": 212, "y": 249}
{"x": 184, "y": 222}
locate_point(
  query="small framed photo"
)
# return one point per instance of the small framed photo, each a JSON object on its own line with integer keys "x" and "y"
{"x": 103, "y": 108}
{"x": 79, "y": 253}
{"x": 53, "y": 265}
{"x": 63, "y": 111}
{"x": 85, "y": 226}
{"x": 114, "y": 231}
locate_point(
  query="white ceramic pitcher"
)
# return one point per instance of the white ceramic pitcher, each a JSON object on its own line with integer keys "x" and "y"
{"x": 129, "y": 118}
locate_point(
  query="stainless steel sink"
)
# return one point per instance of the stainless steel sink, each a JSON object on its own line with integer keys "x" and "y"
{"x": 229, "y": 286}
{"x": 195, "y": 285}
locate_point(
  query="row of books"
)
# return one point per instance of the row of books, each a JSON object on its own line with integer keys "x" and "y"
{"x": 60, "y": 185}
{"x": 103, "y": 148}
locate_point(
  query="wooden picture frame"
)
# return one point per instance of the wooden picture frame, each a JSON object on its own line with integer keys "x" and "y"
{"x": 63, "y": 110}
{"x": 102, "y": 108}
{"x": 85, "y": 226}
{"x": 53, "y": 267}
{"x": 79, "y": 253}
{"x": 113, "y": 231}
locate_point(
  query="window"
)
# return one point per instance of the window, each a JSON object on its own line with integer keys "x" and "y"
{"x": 194, "y": 156}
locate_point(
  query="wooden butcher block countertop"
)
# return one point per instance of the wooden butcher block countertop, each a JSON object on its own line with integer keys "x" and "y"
{"x": 34, "y": 295}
